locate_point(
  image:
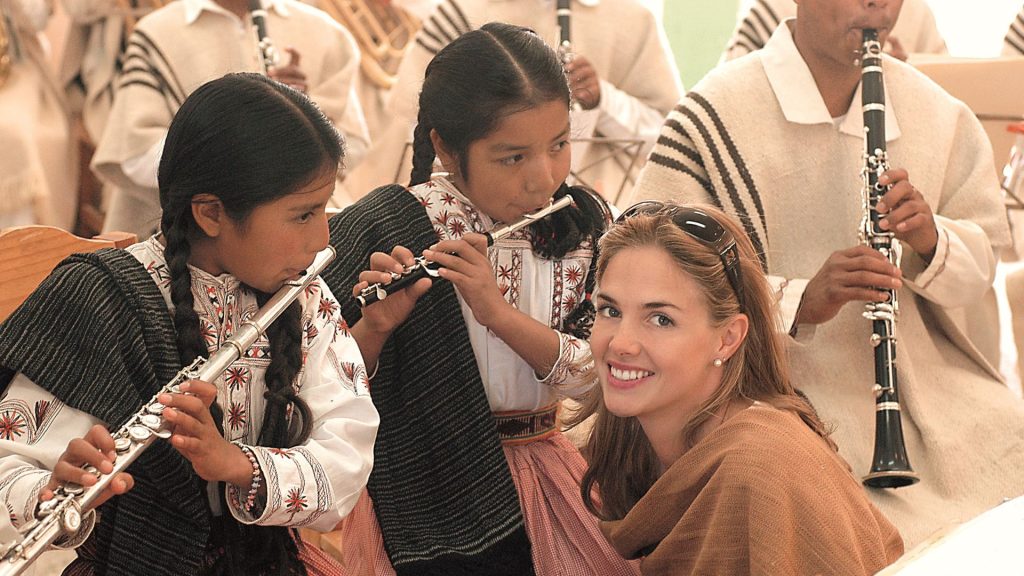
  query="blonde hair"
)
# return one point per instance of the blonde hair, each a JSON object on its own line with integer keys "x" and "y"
{"x": 622, "y": 462}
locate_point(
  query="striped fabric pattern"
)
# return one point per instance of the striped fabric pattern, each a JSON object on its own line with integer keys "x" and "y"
{"x": 1014, "y": 41}
{"x": 447, "y": 23}
{"x": 442, "y": 490}
{"x": 754, "y": 30}
{"x": 693, "y": 134}
{"x": 97, "y": 334}
{"x": 144, "y": 64}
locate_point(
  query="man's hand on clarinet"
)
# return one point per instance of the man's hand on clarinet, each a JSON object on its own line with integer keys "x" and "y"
{"x": 854, "y": 274}
{"x": 907, "y": 214}
{"x": 290, "y": 74}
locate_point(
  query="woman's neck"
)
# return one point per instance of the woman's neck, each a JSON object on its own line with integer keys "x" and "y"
{"x": 666, "y": 437}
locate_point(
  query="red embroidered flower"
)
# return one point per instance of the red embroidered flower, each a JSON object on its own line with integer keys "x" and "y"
{"x": 296, "y": 501}
{"x": 457, "y": 228}
{"x": 12, "y": 425}
{"x": 574, "y": 275}
{"x": 237, "y": 377}
{"x": 505, "y": 272}
{"x": 311, "y": 331}
{"x": 448, "y": 199}
{"x": 327, "y": 308}
{"x": 236, "y": 416}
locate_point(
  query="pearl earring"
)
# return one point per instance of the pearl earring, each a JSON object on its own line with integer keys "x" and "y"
{"x": 717, "y": 362}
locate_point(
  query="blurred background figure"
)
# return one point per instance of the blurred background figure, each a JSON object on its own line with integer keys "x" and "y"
{"x": 1013, "y": 44}
{"x": 38, "y": 172}
{"x": 915, "y": 32}
{"x": 186, "y": 43}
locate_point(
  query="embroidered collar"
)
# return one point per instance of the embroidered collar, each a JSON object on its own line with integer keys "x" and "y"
{"x": 193, "y": 8}
{"x": 798, "y": 95}
{"x": 226, "y": 283}
{"x": 478, "y": 221}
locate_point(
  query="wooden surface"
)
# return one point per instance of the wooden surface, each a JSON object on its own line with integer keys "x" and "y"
{"x": 29, "y": 253}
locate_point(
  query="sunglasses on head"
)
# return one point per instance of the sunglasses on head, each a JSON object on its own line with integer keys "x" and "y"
{"x": 703, "y": 228}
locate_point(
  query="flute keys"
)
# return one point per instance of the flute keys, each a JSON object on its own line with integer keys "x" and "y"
{"x": 139, "y": 433}
{"x": 73, "y": 489}
{"x": 151, "y": 421}
{"x": 122, "y": 444}
{"x": 155, "y": 408}
{"x": 71, "y": 520}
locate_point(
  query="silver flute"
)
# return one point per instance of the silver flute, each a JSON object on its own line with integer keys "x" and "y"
{"x": 423, "y": 268}
{"x": 62, "y": 515}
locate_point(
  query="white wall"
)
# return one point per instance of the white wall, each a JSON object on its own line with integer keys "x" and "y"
{"x": 974, "y": 28}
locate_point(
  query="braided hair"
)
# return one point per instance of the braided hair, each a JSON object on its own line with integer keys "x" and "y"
{"x": 248, "y": 141}
{"x": 473, "y": 83}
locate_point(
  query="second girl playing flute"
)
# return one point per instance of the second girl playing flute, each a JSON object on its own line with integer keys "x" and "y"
{"x": 471, "y": 474}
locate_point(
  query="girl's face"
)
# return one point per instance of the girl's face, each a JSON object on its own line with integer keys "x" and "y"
{"x": 518, "y": 167}
{"x": 277, "y": 241}
{"x": 653, "y": 342}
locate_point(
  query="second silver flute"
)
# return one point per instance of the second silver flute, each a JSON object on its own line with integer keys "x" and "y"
{"x": 62, "y": 515}
{"x": 424, "y": 268}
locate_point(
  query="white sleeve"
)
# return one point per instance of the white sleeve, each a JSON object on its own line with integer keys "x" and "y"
{"x": 623, "y": 116}
{"x": 317, "y": 483}
{"x": 143, "y": 169}
{"x": 962, "y": 269}
{"x": 35, "y": 429}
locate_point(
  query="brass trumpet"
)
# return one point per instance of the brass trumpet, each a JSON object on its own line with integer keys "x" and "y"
{"x": 383, "y": 31}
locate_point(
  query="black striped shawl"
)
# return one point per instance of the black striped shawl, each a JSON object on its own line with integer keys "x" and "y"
{"x": 97, "y": 334}
{"x": 440, "y": 484}
{"x": 695, "y": 136}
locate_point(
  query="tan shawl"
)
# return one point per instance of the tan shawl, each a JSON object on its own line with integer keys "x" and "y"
{"x": 761, "y": 494}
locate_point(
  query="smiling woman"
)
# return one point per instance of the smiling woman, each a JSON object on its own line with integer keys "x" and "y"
{"x": 703, "y": 459}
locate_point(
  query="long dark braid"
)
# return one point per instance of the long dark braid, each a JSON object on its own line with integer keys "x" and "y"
{"x": 217, "y": 144}
{"x": 422, "y": 153}
{"x": 282, "y": 427}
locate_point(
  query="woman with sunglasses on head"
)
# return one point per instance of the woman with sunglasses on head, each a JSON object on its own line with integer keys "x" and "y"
{"x": 703, "y": 457}
{"x": 472, "y": 475}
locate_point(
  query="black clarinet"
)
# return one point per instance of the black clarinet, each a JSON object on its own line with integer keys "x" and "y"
{"x": 564, "y": 14}
{"x": 423, "y": 268}
{"x": 890, "y": 467}
{"x": 269, "y": 57}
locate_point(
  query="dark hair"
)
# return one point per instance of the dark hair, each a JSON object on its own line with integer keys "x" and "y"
{"x": 623, "y": 465}
{"x": 247, "y": 140}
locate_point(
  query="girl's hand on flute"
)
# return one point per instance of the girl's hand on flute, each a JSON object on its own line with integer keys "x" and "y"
{"x": 196, "y": 437}
{"x": 465, "y": 264}
{"x": 384, "y": 316}
{"x": 95, "y": 449}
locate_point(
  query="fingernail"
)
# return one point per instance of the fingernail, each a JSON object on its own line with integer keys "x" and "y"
{"x": 185, "y": 387}
{"x": 164, "y": 399}
{"x": 883, "y": 224}
{"x": 881, "y": 207}
{"x": 883, "y": 179}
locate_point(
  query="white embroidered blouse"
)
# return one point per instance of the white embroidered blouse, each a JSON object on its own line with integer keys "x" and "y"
{"x": 311, "y": 485}
{"x": 546, "y": 290}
